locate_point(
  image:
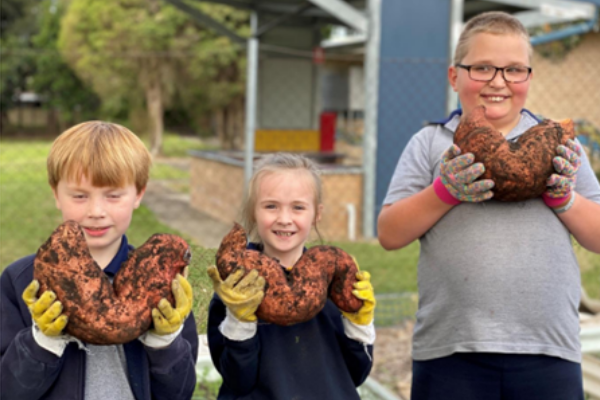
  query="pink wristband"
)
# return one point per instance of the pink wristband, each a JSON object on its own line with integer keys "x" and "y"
{"x": 552, "y": 202}
{"x": 443, "y": 193}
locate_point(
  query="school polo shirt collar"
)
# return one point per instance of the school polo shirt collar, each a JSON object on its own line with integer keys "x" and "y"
{"x": 121, "y": 256}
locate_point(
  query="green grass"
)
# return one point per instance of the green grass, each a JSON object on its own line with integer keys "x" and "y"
{"x": 206, "y": 390}
{"x": 175, "y": 145}
{"x": 391, "y": 271}
{"x": 161, "y": 171}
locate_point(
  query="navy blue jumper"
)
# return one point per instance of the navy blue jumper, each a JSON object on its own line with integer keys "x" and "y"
{"x": 29, "y": 372}
{"x": 312, "y": 360}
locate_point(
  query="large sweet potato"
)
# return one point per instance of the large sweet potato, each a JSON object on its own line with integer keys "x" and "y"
{"x": 322, "y": 271}
{"x": 519, "y": 169}
{"x": 100, "y": 312}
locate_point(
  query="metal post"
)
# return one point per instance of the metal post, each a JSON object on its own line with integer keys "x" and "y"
{"x": 251, "y": 99}
{"x": 456, "y": 23}
{"x": 371, "y": 100}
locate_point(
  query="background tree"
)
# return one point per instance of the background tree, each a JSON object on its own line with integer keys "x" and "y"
{"x": 68, "y": 98}
{"x": 17, "y": 26}
{"x": 145, "y": 53}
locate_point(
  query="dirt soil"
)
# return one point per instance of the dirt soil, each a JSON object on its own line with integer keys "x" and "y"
{"x": 392, "y": 366}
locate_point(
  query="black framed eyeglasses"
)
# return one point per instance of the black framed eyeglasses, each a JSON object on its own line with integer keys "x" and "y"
{"x": 487, "y": 73}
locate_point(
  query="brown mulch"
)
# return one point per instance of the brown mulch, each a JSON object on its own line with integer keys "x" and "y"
{"x": 392, "y": 363}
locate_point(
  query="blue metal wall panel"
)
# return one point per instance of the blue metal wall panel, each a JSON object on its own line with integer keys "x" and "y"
{"x": 414, "y": 59}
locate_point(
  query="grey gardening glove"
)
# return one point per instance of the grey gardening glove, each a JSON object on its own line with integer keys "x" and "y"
{"x": 566, "y": 164}
{"x": 458, "y": 174}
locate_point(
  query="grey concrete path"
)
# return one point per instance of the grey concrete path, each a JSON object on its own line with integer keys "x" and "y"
{"x": 173, "y": 209}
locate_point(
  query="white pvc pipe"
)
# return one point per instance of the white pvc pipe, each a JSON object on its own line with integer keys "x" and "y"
{"x": 351, "y": 221}
{"x": 372, "y": 64}
{"x": 456, "y": 25}
{"x": 251, "y": 99}
{"x": 379, "y": 390}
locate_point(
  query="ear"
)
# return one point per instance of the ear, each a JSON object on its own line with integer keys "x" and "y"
{"x": 452, "y": 76}
{"x": 56, "y": 201}
{"x": 138, "y": 198}
{"x": 318, "y": 213}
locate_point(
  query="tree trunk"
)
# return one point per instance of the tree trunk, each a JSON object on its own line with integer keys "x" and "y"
{"x": 155, "y": 113}
{"x": 52, "y": 124}
{"x": 240, "y": 118}
{"x": 229, "y": 124}
{"x": 220, "y": 127}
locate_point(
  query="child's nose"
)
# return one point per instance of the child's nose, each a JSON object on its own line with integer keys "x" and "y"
{"x": 498, "y": 80}
{"x": 96, "y": 209}
{"x": 284, "y": 218}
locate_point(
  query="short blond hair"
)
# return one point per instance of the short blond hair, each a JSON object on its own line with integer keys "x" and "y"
{"x": 107, "y": 154}
{"x": 494, "y": 22}
{"x": 271, "y": 164}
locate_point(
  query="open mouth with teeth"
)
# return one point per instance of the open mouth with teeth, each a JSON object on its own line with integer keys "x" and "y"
{"x": 495, "y": 99}
{"x": 283, "y": 234}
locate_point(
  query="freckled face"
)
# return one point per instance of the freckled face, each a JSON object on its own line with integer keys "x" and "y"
{"x": 503, "y": 101}
{"x": 285, "y": 212}
{"x": 104, "y": 213}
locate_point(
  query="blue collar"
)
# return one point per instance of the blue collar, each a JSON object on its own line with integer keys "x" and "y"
{"x": 260, "y": 247}
{"x": 459, "y": 113}
{"x": 255, "y": 246}
{"x": 119, "y": 258}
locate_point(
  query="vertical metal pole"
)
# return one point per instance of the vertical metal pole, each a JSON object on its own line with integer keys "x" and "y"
{"x": 251, "y": 98}
{"x": 456, "y": 24}
{"x": 371, "y": 99}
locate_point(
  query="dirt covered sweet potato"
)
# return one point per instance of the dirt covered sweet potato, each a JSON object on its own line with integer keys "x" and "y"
{"x": 518, "y": 168}
{"x": 322, "y": 271}
{"x": 100, "y": 312}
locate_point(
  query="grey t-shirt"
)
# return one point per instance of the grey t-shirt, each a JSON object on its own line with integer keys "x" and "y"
{"x": 493, "y": 276}
{"x": 106, "y": 374}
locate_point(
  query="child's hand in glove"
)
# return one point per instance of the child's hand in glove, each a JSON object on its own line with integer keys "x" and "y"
{"x": 363, "y": 290}
{"x": 458, "y": 175}
{"x": 241, "y": 296}
{"x": 168, "y": 319}
{"x": 566, "y": 164}
{"x": 46, "y": 311}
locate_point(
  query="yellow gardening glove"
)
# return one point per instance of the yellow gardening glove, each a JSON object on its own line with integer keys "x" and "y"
{"x": 363, "y": 290}
{"x": 241, "y": 294}
{"x": 168, "y": 319}
{"x": 46, "y": 312}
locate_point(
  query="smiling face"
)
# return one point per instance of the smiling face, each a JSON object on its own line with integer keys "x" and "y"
{"x": 503, "y": 101}
{"x": 103, "y": 212}
{"x": 285, "y": 212}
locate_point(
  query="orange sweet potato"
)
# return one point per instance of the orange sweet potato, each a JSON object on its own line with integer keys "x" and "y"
{"x": 519, "y": 169}
{"x": 100, "y": 312}
{"x": 322, "y": 271}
